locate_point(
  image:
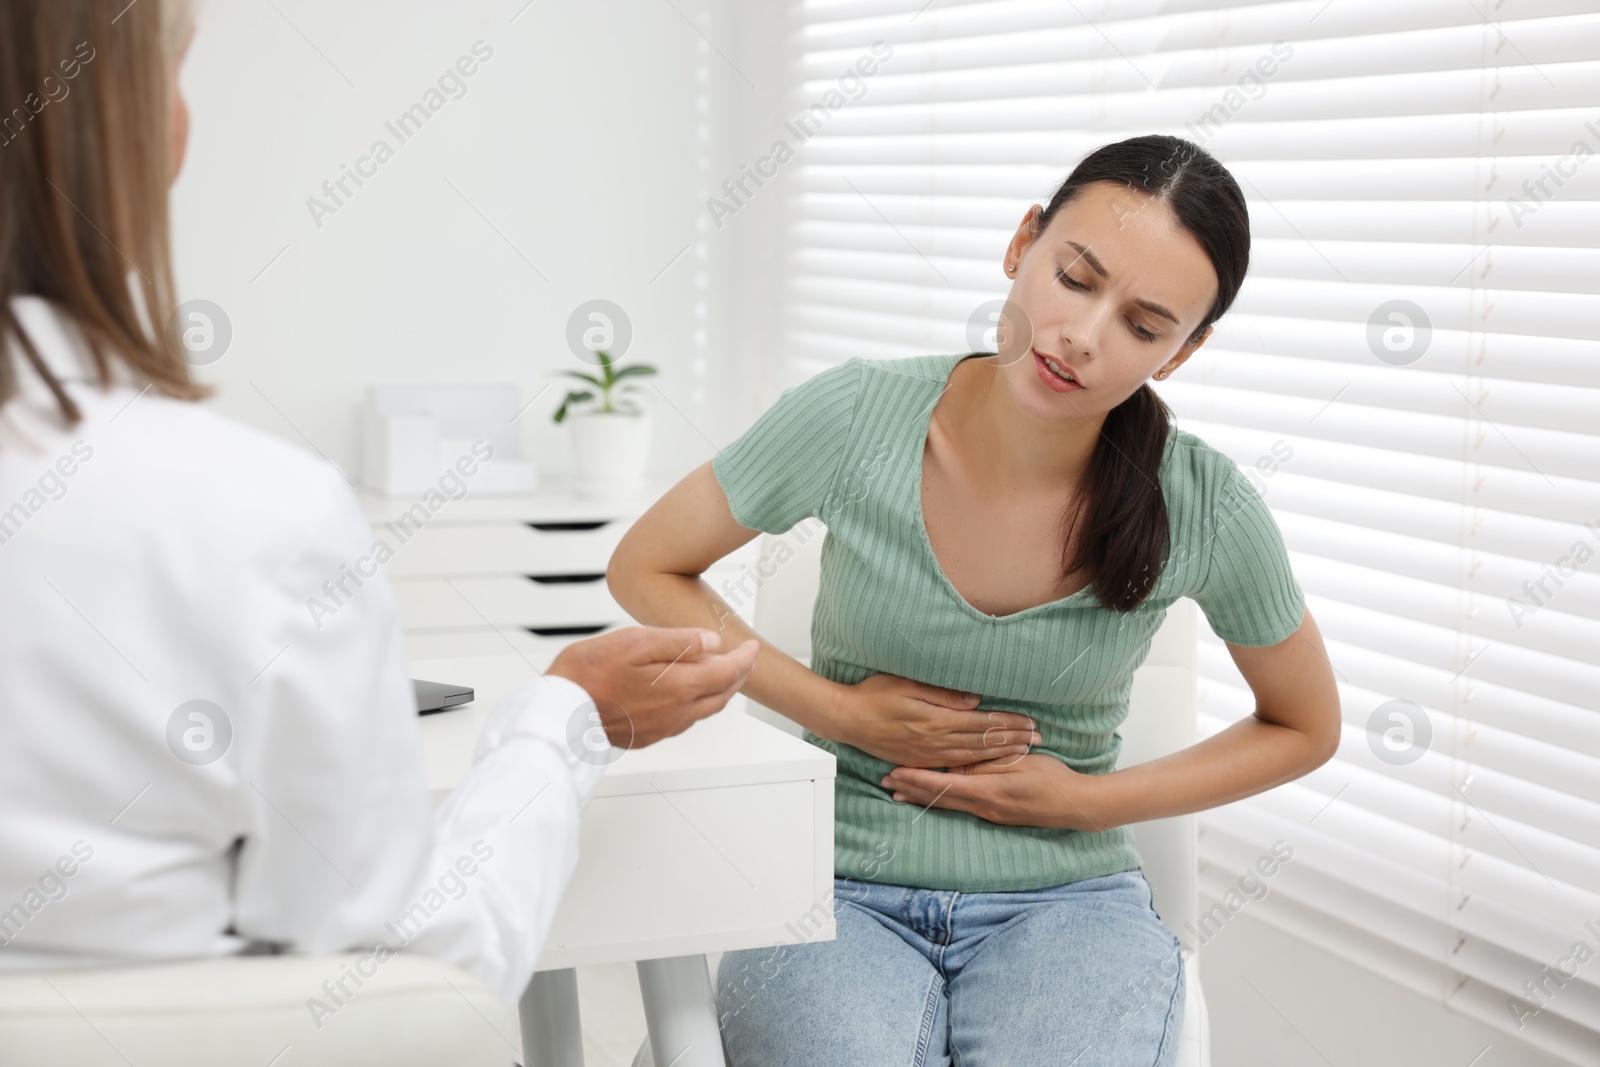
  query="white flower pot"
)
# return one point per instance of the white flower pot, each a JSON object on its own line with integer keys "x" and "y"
{"x": 609, "y": 453}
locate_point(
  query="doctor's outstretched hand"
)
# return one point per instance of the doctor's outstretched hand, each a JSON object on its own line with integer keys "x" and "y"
{"x": 649, "y": 683}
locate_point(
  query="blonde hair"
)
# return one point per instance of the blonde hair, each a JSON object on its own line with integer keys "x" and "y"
{"x": 84, "y": 174}
{"x": 177, "y": 20}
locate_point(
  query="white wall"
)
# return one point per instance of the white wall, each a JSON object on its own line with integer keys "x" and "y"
{"x": 586, "y": 142}
{"x": 1325, "y": 1009}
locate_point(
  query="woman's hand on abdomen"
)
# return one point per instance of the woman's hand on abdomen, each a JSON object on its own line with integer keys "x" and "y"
{"x": 911, "y": 724}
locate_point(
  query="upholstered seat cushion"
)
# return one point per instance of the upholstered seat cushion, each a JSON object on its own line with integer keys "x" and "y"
{"x": 408, "y": 1011}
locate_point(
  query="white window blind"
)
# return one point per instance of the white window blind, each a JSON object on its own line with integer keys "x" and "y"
{"x": 1429, "y": 472}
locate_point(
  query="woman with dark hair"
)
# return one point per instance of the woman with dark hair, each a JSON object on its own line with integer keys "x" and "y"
{"x": 1005, "y": 533}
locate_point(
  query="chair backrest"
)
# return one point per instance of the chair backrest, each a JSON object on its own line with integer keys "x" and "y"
{"x": 1161, "y": 719}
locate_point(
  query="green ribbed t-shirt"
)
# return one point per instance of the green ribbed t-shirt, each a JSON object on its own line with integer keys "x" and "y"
{"x": 846, "y": 447}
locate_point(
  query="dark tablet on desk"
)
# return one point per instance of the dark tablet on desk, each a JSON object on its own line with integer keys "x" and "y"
{"x": 439, "y": 696}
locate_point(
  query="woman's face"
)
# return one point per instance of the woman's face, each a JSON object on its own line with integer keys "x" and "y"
{"x": 1111, "y": 290}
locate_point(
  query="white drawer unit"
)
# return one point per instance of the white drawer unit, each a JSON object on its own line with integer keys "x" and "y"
{"x": 477, "y": 575}
{"x": 546, "y": 605}
{"x": 484, "y": 548}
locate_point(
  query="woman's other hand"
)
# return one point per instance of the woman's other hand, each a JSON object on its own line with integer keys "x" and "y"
{"x": 916, "y": 725}
{"x": 1034, "y": 790}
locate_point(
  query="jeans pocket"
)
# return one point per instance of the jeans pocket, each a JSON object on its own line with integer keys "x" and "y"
{"x": 1150, "y": 897}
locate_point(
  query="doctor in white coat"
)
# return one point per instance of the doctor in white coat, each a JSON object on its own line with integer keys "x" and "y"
{"x": 191, "y": 761}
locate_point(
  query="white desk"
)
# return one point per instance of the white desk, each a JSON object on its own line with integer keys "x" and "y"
{"x": 720, "y": 838}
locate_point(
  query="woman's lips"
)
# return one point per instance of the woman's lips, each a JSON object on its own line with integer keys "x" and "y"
{"x": 1051, "y": 379}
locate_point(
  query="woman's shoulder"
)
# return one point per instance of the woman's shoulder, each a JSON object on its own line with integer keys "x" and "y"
{"x": 231, "y": 456}
{"x": 933, "y": 368}
{"x": 1197, "y": 477}
{"x": 1204, "y": 485}
{"x": 905, "y": 372}
{"x": 861, "y": 388}
{"x": 166, "y": 466}
{"x": 898, "y": 369}
{"x": 881, "y": 379}
{"x": 1191, "y": 462}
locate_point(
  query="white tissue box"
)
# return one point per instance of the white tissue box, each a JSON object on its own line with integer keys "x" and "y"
{"x": 414, "y": 435}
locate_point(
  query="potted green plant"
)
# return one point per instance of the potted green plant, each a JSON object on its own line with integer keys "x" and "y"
{"x": 610, "y": 432}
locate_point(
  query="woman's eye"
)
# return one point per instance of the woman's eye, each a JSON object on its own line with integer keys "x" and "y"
{"x": 1071, "y": 283}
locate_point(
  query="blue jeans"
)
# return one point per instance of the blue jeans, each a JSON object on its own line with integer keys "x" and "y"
{"x": 1084, "y": 973}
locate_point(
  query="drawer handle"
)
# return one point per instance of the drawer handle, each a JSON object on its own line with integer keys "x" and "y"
{"x": 567, "y": 631}
{"x": 567, "y": 527}
{"x": 565, "y": 579}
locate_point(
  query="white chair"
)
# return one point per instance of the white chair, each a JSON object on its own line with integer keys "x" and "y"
{"x": 1162, "y": 713}
{"x": 412, "y": 1012}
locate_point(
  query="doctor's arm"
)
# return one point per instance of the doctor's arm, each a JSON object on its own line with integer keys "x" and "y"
{"x": 344, "y": 846}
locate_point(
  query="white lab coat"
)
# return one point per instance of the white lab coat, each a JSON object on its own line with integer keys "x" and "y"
{"x": 158, "y": 554}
